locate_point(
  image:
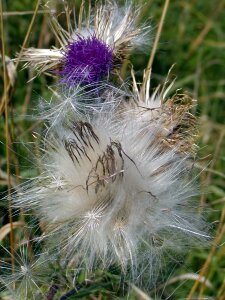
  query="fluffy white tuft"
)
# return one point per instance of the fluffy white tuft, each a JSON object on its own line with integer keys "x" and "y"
{"x": 26, "y": 279}
{"x": 79, "y": 102}
{"x": 116, "y": 189}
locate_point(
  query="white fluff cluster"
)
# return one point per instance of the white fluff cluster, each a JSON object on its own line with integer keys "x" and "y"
{"x": 116, "y": 188}
{"x": 27, "y": 274}
{"x": 79, "y": 103}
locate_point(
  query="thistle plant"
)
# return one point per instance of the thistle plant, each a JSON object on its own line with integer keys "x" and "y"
{"x": 117, "y": 184}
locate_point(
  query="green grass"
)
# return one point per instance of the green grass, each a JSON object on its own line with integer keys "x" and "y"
{"x": 193, "y": 38}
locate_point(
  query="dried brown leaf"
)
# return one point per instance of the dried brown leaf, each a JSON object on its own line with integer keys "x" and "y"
{"x": 7, "y": 228}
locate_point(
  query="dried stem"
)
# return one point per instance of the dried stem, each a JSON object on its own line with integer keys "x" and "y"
{"x": 156, "y": 41}
{"x": 200, "y": 38}
{"x": 7, "y": 137}
{"x": 219, "y": 236}
{"x": 2, "y": 106}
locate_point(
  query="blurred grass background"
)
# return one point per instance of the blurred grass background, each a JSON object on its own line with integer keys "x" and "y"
{"x": 192, "y": 38}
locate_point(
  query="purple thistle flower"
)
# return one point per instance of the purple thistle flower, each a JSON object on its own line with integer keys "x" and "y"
{"x": 86, "y": 61}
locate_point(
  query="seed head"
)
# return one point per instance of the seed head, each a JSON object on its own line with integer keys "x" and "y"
{"x": 117, "y": 189}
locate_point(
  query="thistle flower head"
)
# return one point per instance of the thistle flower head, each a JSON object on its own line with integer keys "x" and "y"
{"x": 86, "y": 60}
{"x": 93, "y": 48}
